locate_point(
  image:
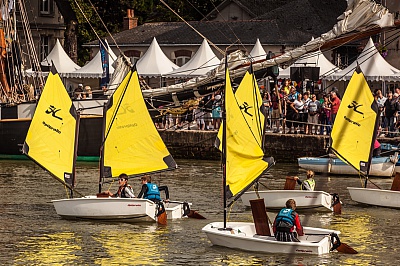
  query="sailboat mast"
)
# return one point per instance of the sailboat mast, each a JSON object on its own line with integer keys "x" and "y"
{"x": 223, "y": 154}
{"x": 102, "y": 148}
{"x": 78, "y": 119}
{"x": 375, "y": 135}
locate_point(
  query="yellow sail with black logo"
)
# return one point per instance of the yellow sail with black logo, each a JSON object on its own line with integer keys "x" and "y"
{"x": 355, "y": 127}
{"x": 132, "y": 143}
{"x": 249, "y": 100}
{"x": 50, "y": 140}
{"x": 244, "y": 154}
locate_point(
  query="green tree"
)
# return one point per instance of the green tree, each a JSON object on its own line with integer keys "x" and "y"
{"x": 90, "y": 16}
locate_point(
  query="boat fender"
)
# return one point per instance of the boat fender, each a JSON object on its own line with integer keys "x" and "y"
{"x": 160, "y": 208}
{"x": 335, "y": 241}
{"x": 186, "y": 209}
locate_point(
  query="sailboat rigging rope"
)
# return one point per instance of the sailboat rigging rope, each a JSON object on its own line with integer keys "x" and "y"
{"x": 104, "y": 25}
{"x": 173, "y": 11}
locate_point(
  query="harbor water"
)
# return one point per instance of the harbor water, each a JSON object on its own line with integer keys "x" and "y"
{"x": 33, "y": 234}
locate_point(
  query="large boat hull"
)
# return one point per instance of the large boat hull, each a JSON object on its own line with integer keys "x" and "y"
{"x": 380, "y": 166}
{"x": 376, "y": 197}
{"x": 305, "y": 200}
{"x": 243, "y": 236}
{"x": 126, "y": 209}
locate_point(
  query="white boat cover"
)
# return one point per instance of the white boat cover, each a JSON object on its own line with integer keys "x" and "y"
{"x": 154, "y": 62}
{"x": 203, "y": 61}
{"x": 372, "y": 64}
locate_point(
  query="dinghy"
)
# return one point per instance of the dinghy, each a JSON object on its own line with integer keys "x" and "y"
{"x": 243, "y": 162}
{"x": 131, "y": 145}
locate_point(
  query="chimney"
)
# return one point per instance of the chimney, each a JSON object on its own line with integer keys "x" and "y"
{"x": 130, "y": 21}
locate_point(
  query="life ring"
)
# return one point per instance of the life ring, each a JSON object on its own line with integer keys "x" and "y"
{"x": 335, "y": 241}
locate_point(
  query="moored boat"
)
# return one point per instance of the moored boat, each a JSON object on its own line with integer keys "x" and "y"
{"x": 380, "y": 166}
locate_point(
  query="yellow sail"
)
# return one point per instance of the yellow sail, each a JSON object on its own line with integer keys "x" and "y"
{"x": 244, "y": 154}
{"x": 50, "y": 139}
{"x": 355, "y": 125}
{"x": 132, "y": 142}
{"x": 249, "y": 99}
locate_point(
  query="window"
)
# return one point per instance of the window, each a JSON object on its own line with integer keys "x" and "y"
{"x": 134, "y": 55}
{"x": 182, "y": 57}
{"x": 181, "y": 60}
{"x": 44, "y": 47}
{"x": 46, "y": 7}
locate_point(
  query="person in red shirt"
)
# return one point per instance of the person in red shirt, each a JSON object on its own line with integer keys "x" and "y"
{"x": 335, "y": 103}
{"x": 287, "y": 223}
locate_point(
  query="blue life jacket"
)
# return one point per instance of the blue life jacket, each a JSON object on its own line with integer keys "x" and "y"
{"x": 153, "y": 193}
{"x": 285, "y": 215}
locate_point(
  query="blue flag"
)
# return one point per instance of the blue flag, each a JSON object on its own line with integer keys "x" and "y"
{"x": 105, "y": 77}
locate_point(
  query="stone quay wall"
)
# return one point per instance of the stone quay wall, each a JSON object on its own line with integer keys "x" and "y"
{"x": 194, "y": 144}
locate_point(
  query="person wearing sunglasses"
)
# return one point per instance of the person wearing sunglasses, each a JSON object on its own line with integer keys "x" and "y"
{"x": 125, "y": 190}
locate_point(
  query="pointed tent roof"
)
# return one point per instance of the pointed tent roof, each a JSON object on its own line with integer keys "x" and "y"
{"x": 203, "y": 61}
{"x": 258, "y": 52}
{"x": 94, "y": 68}
{"x": 373, "y": 65}
{"x": 154, "y": 62}
{"x": 62, "y": 61}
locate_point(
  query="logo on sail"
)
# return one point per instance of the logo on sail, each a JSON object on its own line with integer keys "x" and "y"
{"x": 355, "y": 105}
{"x": 53, "y": 110}
{"x": 246, "y": 107}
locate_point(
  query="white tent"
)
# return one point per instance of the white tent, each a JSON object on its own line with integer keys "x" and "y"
{"x": 373, "y": 65}
{"x": 94, "y": 68}
{"x": 61, "y": 60}
{"x": 258, "y": 52}
{"x": 203, "y": 61}
{"x": 315, "y": 59}
{"x": 154, "y": 62}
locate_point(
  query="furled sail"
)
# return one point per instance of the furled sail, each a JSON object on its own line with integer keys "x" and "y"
{"x": 132, "y": 143}
{"x": 50, "y": 140}
{"x": 355, "y": 128}
{"x": 244, "y": 154}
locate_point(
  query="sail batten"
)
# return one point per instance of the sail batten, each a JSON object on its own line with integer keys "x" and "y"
{"x": 355, "y": 127}
{"x": 132, "y": 144}
{"x": 244, "y": 154}
{"x": 50, "y": 140}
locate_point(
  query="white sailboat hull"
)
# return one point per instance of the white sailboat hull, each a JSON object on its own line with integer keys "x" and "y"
{"x": 243, "y": 236}
{"x": 131, "y": 209}
{"x": 276, "y": 199}
{"x": 380, "y": 166}
{"x": 376, "y": 197}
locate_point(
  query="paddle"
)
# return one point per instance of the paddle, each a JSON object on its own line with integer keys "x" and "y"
{"x": 187, "y": 211}
{"x": 337, "y": 244}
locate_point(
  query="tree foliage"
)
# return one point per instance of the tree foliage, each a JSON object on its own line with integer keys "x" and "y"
{"x": 92, "y": 14}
